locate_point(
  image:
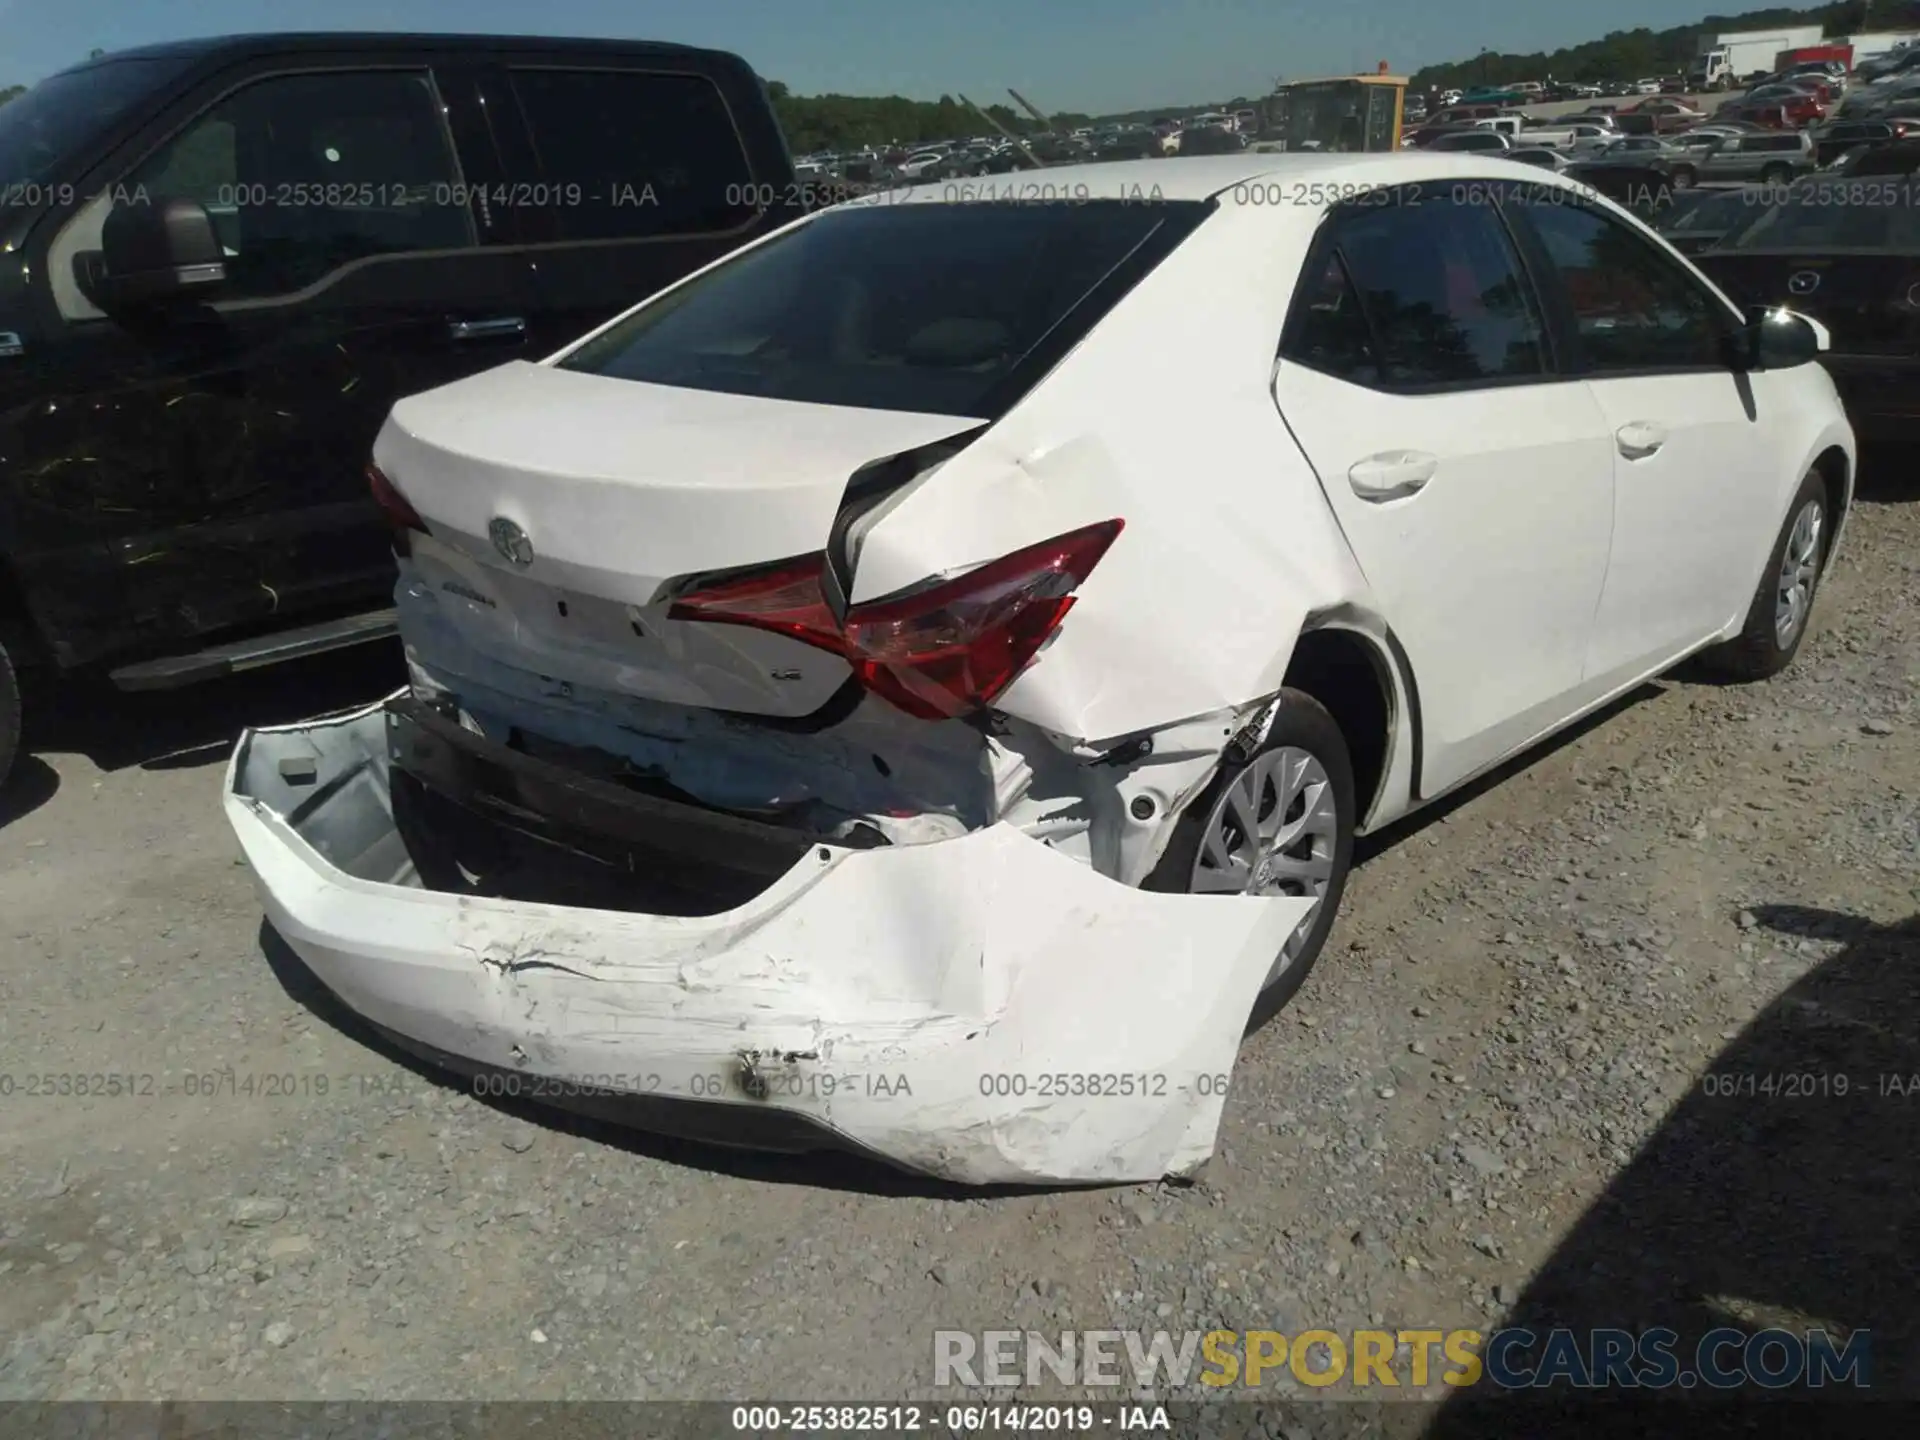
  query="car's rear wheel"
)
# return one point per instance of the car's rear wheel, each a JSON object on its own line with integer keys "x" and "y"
{"x": 1276, "y": 821}
{"x": 1776, "y": 175}
{"x": 1683, "y": 177}
{"x": 9, "y": 714}
{"x": 1777, "y": 618}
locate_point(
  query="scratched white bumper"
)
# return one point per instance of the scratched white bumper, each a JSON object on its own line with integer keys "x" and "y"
{"x": 981, "y": 1009}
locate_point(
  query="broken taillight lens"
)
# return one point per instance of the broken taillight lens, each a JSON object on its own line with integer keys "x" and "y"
{"x": 785, "y": 599}
{"x": 940, "y": 651}
{"x": 400, "y": 515}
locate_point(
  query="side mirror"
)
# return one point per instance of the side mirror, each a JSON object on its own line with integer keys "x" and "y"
{"x": 1778, "y": 339}
{"x": 157, "y": 251}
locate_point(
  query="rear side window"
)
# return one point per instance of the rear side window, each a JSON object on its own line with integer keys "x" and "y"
{"x": 1416, "y": 296}
{"x": 931, "y": 308}
{"x": 634, "y": 154}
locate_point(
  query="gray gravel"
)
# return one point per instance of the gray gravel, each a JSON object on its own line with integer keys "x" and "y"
{"x": 1521, "y": 991}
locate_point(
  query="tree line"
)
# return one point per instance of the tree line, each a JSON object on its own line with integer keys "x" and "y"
{"x": 1631, "y": 54}
{"x": 850, "y": 122}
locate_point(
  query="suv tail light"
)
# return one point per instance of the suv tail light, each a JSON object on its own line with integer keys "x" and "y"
{"x": 935, "y": 652}
{"x": 400, "y": 515}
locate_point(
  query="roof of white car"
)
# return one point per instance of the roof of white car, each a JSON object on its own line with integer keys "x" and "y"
{"x": 1201, "y": 177}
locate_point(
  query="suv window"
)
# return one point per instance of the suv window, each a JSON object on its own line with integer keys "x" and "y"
{"x": 636, "y": 154}
{"x": 42, "y": 128}
{"x": 1410, "y": 297}
{"x": 1633, "y": 309}
{"x": 305, "y": 173}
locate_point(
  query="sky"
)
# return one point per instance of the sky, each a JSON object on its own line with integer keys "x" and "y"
{"x": 1081, "y": 55}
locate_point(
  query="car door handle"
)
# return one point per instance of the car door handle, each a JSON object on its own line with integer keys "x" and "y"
{"x": 496, "y": 328}
{"x": 1639, "y": 438}
{"x": 1391, "y": 474}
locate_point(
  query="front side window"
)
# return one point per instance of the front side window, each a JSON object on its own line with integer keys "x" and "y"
{"x": 633, "y": 154}
{"x": 1414, "y": 297}
{"x": 926, "y": 307}
{"x": 303, "y": 174}
{"x": 1633, "y": 308}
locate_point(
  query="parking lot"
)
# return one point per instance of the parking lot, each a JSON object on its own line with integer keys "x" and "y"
{"x": 1493, "y": 1097}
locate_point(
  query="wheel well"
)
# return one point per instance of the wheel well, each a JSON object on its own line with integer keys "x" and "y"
{"x": 1346, "y": 673}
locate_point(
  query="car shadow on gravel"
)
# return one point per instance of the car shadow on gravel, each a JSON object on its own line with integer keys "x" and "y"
{"x": 823, "y": 1170}
{"x": 198, "y": 725}
{"x": 1783, "y": 1191}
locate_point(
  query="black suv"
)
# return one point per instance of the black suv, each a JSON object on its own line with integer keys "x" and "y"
{"x": 221, "y": 261}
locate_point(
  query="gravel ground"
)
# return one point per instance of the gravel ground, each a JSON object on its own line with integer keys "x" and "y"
{"x": 1487, "y": 1101}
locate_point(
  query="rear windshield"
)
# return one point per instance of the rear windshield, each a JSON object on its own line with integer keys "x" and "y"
{"x": 921, "y": 307}
{"x": 1832, "y": 214}
{"x": 42, "y": 129}
{"x": 1713, "y": 212}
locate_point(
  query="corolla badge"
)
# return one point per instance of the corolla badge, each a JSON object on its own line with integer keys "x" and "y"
{"x": 510, "y": 540}
{"x": 1804, "y": 282}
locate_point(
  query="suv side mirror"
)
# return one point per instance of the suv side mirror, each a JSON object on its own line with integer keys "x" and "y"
{"x": 1778, "y": 339}
{"x": 156, "y": 251}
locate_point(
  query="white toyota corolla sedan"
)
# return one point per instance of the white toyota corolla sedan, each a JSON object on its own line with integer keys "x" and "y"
{"x": 915, "y": 684}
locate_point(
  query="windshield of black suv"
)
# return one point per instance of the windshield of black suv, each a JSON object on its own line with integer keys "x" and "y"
{"x": 42, "y": 128}
{"x": 922, "y": 307}
{"x": 1832, "y": 215}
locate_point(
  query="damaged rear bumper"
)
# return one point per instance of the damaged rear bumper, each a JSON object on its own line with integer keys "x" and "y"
{"x": 982, "y": 1009}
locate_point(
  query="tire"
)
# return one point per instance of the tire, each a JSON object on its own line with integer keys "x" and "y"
{"x": 9, "y": 715}
{"x": 1683, "y": 177}
{"x": 1767, "y": 644}
{"x": 1776, "y": 175}
{"x": 1300, "y": 726}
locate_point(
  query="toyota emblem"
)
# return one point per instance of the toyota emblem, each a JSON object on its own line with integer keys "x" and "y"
{"x": 511, "y": 541}
{"x": 1804, "y": 282}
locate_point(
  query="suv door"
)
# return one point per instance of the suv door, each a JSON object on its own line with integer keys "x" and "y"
{"x": 1690, "y": 511}
{"x": 1474, "y": 483}
{"x": 628, "y": 175}
{"x": 217, "y": 454}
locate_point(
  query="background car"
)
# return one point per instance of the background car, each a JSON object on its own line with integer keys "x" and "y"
{"x": 205, "y": 377}
{"x": 1772, "y": 158}
{"x": 1696, "y": 220}
{"x": 1843, "y": 136}
{"x": 1490, "y": 141}
{"x": 1544, "y": 156}
{"x": 1644, "y": 189}
{"x": 1846, "y": 252}
{"x": 1677, "y": 166}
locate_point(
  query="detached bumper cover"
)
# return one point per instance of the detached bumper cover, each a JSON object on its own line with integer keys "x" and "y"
{"x": 979, "y": 1009}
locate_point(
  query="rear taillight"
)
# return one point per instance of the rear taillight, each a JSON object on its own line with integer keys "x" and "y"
{"x": 940, "y": 651}
{"x": 786, "y": 599}
{"x": 400, "y": 515}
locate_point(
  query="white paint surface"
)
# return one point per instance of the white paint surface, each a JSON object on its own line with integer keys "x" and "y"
{"x": 1516, "y": 556}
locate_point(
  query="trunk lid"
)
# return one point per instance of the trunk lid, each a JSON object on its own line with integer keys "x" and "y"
{"x": 615, "y": 487}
